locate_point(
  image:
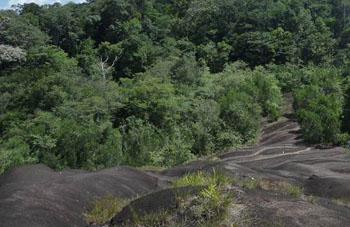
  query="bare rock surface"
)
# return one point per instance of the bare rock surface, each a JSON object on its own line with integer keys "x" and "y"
{"x": 35, "y": 195}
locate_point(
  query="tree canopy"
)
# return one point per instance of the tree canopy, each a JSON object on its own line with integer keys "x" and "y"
{"x": 155, "y": 82}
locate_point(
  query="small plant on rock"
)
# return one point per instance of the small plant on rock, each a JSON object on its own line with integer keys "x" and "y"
{"x": 209, "y": 206}
{"x": 201, "y": 178}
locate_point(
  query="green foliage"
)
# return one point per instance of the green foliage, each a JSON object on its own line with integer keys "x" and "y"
{"x": 246, "y": 95}
{"x": 61, "y": 142}
{"x": 253, "y": 44}
{"x": 159, "y": 218}
{"x": 140, "y": 139}
{"x": 293, "y": 190}
{"x": 320, "y": 121}
{"x": 157, "y": 83}
{"x": 210, "y": 205}
{"x": 201, "y": 178}
{"x": 215, "y": 55}
{"x": 248, "y": 182}
{"x": 28, "y": 37}
{"x": 104, "y": 209}
{"x": 345, "y": 201}
{"x": 14, "y": 153}
{"x": 319, "y": 107}
{"x": 266, "y": 93}
{"x": 195, "y": 179}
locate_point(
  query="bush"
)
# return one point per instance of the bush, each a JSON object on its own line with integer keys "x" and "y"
{"x": 14, "y": 153}
{"x": 266, "y": 92}
{"x": 319, "y": 115}
{"x": 62, "y": 143}
{"x": 319, "y": 104}
{"x": 175, "y": 150}
{"x": 140, "y": 139}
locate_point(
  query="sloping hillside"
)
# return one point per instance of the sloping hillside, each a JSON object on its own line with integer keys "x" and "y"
{"x": 35, "y": 195}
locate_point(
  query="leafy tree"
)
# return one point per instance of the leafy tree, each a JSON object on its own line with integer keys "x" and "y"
{"x": 29, "y": 36}
{"x": 141, "y": 82}
{"x": 320, "y": 119}
{"x": 10, "y": 54}
{"x": 215, "y": 55}
{"x": 319, "y": 105}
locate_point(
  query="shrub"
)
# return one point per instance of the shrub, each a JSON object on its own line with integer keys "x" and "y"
{"x": 175, "y": 148}
{"x": 211, "y": 204}
{"x": 14, "y": 153}
{"x": 266, "y": 92}
{"x": 140, "y": 139}
{"x": 320, "y": 118}
{"x": 319, "y": 105}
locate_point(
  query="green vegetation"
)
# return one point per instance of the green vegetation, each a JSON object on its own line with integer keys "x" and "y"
{"x": 293, "y": 190}
{"x": 219, "y": 179}
{"x": 311, "y": 199}
{"x": 152, "y": 219}
{"x": 201, "y": 178}
{"x": 159, "y": 83}
{"x": 104, "y": 209}
{"x": 209, "y": 207}
{"x": 342, "y": 201}
{"x": 319, "y": 104}
{"x": 216, "y": 203}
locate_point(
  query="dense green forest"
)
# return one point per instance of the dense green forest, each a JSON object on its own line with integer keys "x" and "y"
{"x": 161, "y": 82}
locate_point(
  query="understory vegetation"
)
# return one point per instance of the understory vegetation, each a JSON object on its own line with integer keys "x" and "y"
{"x": 217, "y": 203}
{"x": 342, "y": 201}
{"x": 104, "y": 209}
{"x": 159, "y": 83}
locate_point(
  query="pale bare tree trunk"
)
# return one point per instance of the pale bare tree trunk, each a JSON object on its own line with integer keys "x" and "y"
{"x": 105, "y": 68}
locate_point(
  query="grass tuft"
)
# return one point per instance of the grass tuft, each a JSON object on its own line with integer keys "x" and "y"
{"x": 201, "y": 178}
{"x": 105, "y": 209}
{"x": 311, "y": 199}
{"x": 248, "y": 182}
{"x": 342, "y": 201}
{"x": 293, "y": 190}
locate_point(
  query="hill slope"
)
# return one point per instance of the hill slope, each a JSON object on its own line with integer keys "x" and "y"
{"x": 35, "y": 195}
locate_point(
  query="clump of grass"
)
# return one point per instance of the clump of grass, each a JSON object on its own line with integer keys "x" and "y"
{"x": 282, "y": 186}
{"x": 192, "y": 179}
{"x": 201, "y": 178}
{"x": 248, "y": 182}
{"x": 208, "y": 207}
{"x": 293, "y": 190}
{"x": 161, "y": 218}
{"x": 211, "y": 204}
{"x": 105, "y": 209}
{"x": 211, "y": 200}
{"x": 311, "y": 199}
{"x": 342, "y": 201}
{"x": 214, "y": 159}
